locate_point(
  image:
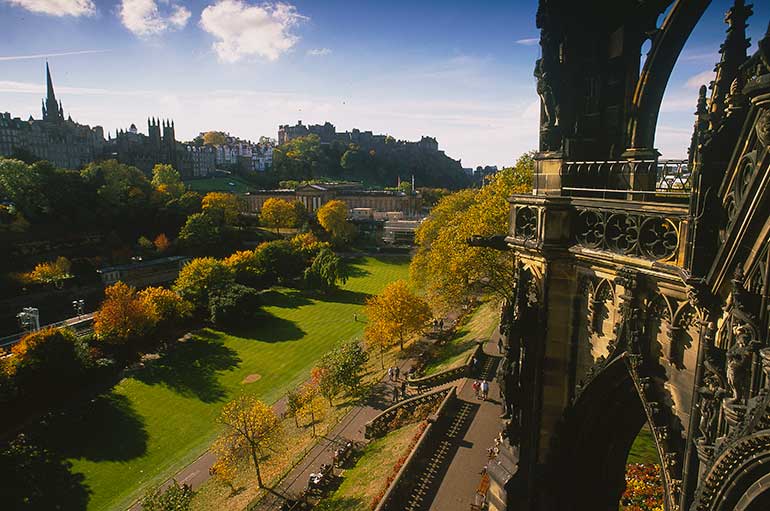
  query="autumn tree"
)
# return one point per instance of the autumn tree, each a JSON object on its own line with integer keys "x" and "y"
{"x": 214, "y": 138}
{"x": 380, "y": 336}
{"x": 251, "y": 425}
{"x": 167, "y": 306}
{"x": 400, "y": 311}
{"x": 52, "y": 272}
{"x": 202, "y": 278}
{"x": 225, "y": 468}
{"x": 226, "y": 204}
{"x": 48, "y": 357}
{"x": 333, "y": 218}
{"x": 311, "y": 404}
{"x": 247, "y": 268}
{"x": 294, "y": 399}
{"x": 344, "y": 366}
{"x": 123, "y": 316}
{"x": 161, "y": 243}
{"x": 277, "y": 213}
{"x": 325, "y": 379}
{"x": 166, "y": 180}
{"x": 445, "y": 265}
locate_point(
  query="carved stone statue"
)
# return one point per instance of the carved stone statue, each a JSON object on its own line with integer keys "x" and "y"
{"x": 711, "y": 394}
{"x": 739, "y": 363}
{"x": 547, "y": 97}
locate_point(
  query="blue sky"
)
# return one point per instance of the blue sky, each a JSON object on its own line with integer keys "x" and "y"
{"x": 459, "y": 71}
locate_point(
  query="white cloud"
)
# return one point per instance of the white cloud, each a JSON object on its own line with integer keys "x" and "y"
{"x": 319, "y": 52}
{"x": 704, "y": 78}
{"x": 530, "y": 41}
{"x": 57, "y": 7}
{"x": 245, "y": 30}
{"x": 144, "y": 18}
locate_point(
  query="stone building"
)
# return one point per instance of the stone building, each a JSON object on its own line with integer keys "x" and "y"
{"x": 642, "y": 285}
{"x": 59, "y": 140}
{"x": 313, "y": 196}
{"x": 160, "y": 146}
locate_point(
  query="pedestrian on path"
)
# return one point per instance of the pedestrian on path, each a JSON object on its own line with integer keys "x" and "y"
{"x": 403, "y": 390}
{"x": 484, "y": 389}
{"x": 476, "y": 388}
{"x": 390, "y": 373}
{"x": 395, "y": 394}
{"x": 396, "y": 372}
{"x": 355, "y": 317}
{"x": 500, "y": 345}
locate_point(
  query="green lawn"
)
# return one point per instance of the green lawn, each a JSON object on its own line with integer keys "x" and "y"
{"x": 219, "y": 184}
{"x": 163, "y": 416}
{"x": 643, "y": 449}
{"x": 367, "y": 478}
{"x": 480, "y": 326}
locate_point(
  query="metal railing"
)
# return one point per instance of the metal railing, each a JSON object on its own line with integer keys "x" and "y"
{"x": 82, "y": 325}
{"x": 648, "y": 179}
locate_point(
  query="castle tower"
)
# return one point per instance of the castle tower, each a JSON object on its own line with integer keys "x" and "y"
{"x": 153, "y": 132}
{"x": 52, "y": 110}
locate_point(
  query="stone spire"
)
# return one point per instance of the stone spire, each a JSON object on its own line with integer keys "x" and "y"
{"x": 52, "y": 110}
{"x": 733, "y": 52}
{"x": 701, "y": 125}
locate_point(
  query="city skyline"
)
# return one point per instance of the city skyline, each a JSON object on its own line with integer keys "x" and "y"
{"x": 461, "y": 75}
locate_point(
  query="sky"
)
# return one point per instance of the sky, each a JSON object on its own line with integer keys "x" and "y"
{"x": 458, "y": 71}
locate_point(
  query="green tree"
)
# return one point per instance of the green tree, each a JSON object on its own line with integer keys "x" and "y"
{"x": 167, "y": 180}
{"x": 23, "y": 185}
{"x": 175, "y": 497}
{"x": 236, "y": 304}
{"x": 301, "y": 158}
{"x": 200, "y": 231}
{"x": 326, "y": 271}
{"x": 202, "y": 278}
{"x": 280, "y": 261}
{"x": 345, "y": 365}
{"x": 214, "y": 138}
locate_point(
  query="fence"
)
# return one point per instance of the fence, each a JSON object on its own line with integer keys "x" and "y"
{"x": 447, "y": 375}
{"x": 379, "y": 425}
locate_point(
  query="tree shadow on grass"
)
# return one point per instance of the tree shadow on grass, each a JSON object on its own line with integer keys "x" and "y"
{"x": 344, "y": 296}
{"x": 191, "y": 367}
{"x": 269, "y": 328}
{"x": 285, "y": 298}
{"x": 106, "y": 428}
{"x": 32, "y": 477}
{"x": 355, "y": 268}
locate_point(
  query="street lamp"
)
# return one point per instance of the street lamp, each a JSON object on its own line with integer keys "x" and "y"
{"x": 29, "y": 318}
{"x": 78, "y": 306}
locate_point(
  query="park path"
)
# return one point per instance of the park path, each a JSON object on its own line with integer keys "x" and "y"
{"x": 350, "y": 428}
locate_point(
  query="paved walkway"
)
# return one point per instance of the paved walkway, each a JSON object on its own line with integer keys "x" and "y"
{"x": 350, "y": 428}
{"x": 463, "y": 476}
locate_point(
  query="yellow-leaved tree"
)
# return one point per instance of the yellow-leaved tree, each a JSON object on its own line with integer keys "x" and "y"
{"x": 226, "y": 204}
{"x": 445, "y": 265}
{"x": 251, "y": 426}
{"x": 333, "y": 217}
{"x": 379, "y": 336}
{"x": 399, "y": 311}
{"x": 52, "y": 272}
{"x": 166, "y": 180}
{"x": 278, "y": 213}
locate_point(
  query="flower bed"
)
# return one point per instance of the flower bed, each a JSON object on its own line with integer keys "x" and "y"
{"x": 644, "y": 490}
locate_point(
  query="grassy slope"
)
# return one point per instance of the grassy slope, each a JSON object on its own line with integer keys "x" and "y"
{"x": 164, "y": 416}
{"x": 219, "y": 184}
{"x": 367, "y": 478}
{"x": 481, "y": 325}
{"x": 643, "y": 449}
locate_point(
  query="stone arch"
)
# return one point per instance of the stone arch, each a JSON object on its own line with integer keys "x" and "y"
{"x": 587, "y": 457}
{"x": 738, "y": 478}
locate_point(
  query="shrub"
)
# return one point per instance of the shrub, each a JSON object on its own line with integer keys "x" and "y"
{"x": 233, "y": 305}
{"x": 281, "y": 261}
{"x": 174, "y": 498}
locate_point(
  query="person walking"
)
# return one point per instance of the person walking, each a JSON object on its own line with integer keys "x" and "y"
{"x": 396, "y": 372}
{"x": 500, "y": 345}
{"x": 355, "y": 317}
{"x": 476, "y": 387}
{"x": 390, "y": 373}
{"x": 484, "y": 389}
{"x": 403, "y": 390}
{"x": 395, "y": 394}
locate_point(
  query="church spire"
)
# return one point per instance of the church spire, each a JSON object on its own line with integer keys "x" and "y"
{"x": 53, "y": 110}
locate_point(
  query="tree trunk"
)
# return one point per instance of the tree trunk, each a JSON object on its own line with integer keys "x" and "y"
{"x": 382, "y": 358}
{"x": 256, "y": 466}
{"x": 312, "y": 419}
